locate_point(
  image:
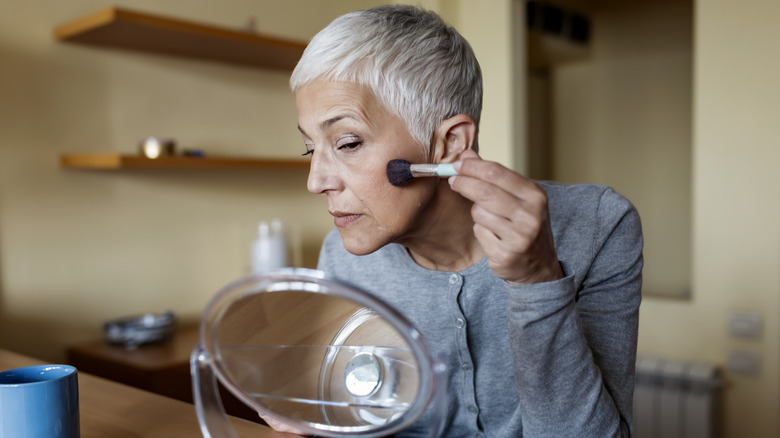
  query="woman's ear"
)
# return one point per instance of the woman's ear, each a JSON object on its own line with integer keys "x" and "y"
{"x": 454, "y": 136}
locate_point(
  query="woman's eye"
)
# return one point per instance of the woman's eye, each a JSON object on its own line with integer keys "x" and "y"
{"x": 350, "y": 145}
{"x": 308, "y": 152}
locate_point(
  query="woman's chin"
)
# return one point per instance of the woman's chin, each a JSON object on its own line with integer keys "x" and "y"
{"x": 359, "y": 245}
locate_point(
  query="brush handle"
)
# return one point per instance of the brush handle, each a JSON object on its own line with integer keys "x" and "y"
{"x": 444, "y": 169}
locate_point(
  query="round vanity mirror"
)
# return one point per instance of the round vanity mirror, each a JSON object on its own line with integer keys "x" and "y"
{"x": 313, "y": 353}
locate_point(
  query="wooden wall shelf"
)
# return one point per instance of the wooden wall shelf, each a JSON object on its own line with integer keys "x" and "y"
{"x": 120, "y": 162}
{"x": 123, "y": 28}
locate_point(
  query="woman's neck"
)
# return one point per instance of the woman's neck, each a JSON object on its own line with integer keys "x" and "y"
{"x": 444, "y": 238}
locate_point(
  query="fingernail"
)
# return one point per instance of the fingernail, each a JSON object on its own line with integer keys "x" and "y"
{"x": 456, "y": 165}
{"x": 451, "y": 180}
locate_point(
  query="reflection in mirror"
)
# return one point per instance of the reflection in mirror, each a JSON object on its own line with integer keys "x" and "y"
{"x": 299, "y": 353}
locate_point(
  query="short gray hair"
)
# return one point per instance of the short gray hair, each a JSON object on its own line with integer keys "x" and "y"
{"x": 420, "y": 68}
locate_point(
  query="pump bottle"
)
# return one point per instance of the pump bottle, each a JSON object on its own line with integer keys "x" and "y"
{"x": 269, "y": 250}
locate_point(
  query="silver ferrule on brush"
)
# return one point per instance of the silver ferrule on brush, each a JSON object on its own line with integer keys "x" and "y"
{"x": 444, "y": 169}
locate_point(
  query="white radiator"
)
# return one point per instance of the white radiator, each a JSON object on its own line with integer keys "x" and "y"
{"x": 674, "y": 399}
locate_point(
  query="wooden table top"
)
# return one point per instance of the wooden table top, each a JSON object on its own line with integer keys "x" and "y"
{"x": 110, "y": 409}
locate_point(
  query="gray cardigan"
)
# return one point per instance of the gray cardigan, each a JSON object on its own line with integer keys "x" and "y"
{"x": 545, "y": 360}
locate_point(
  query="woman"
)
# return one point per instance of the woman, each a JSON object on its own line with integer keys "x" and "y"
{"x": 532, "y": 289}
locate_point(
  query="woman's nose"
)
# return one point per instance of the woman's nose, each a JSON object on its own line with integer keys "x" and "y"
{"x": 322, "y": 175}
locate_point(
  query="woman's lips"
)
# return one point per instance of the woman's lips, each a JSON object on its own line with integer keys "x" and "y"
{"x": 345, "y": 219}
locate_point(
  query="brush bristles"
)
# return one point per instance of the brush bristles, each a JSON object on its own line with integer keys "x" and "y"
{"x": 399, "y": 172}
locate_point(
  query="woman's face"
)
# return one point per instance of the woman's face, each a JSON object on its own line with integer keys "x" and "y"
{"x": 351, "y": 138}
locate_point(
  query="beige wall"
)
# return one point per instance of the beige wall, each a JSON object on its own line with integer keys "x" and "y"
{"x": 736, "y": 209}
{"x": 501, "y": 125}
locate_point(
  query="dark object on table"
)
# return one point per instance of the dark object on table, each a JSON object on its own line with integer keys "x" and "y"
{"x": 193, "y": 153}
{"x": 139, "y": 330}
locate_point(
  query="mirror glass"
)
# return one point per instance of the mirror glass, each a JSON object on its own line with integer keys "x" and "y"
{"x": 317, "y": 354}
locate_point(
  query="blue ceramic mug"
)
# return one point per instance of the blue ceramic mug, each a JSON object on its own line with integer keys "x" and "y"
{"x": 39, "y": 401}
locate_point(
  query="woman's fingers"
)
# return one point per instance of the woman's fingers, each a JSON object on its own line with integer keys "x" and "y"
{"x": 504, "y": 201}
{"x": 497, "y": 188}
{"x": 279, "y": 426}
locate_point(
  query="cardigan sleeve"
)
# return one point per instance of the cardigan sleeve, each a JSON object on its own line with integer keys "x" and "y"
{"x": 574, "y": 340}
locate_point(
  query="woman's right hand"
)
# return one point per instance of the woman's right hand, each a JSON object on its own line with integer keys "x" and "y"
{"x": 511, "y": 220}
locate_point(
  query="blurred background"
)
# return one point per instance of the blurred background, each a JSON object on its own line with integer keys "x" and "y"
{"x": 674, "y": 103}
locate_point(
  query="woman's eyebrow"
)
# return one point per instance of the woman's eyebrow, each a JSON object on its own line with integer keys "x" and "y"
{"x": 330, "y": 122}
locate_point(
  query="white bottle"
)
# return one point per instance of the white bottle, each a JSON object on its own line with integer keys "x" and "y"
{"x": 269, "y": 250}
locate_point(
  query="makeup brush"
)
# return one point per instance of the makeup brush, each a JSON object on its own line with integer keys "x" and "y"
{"x": 400, "y": 172}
